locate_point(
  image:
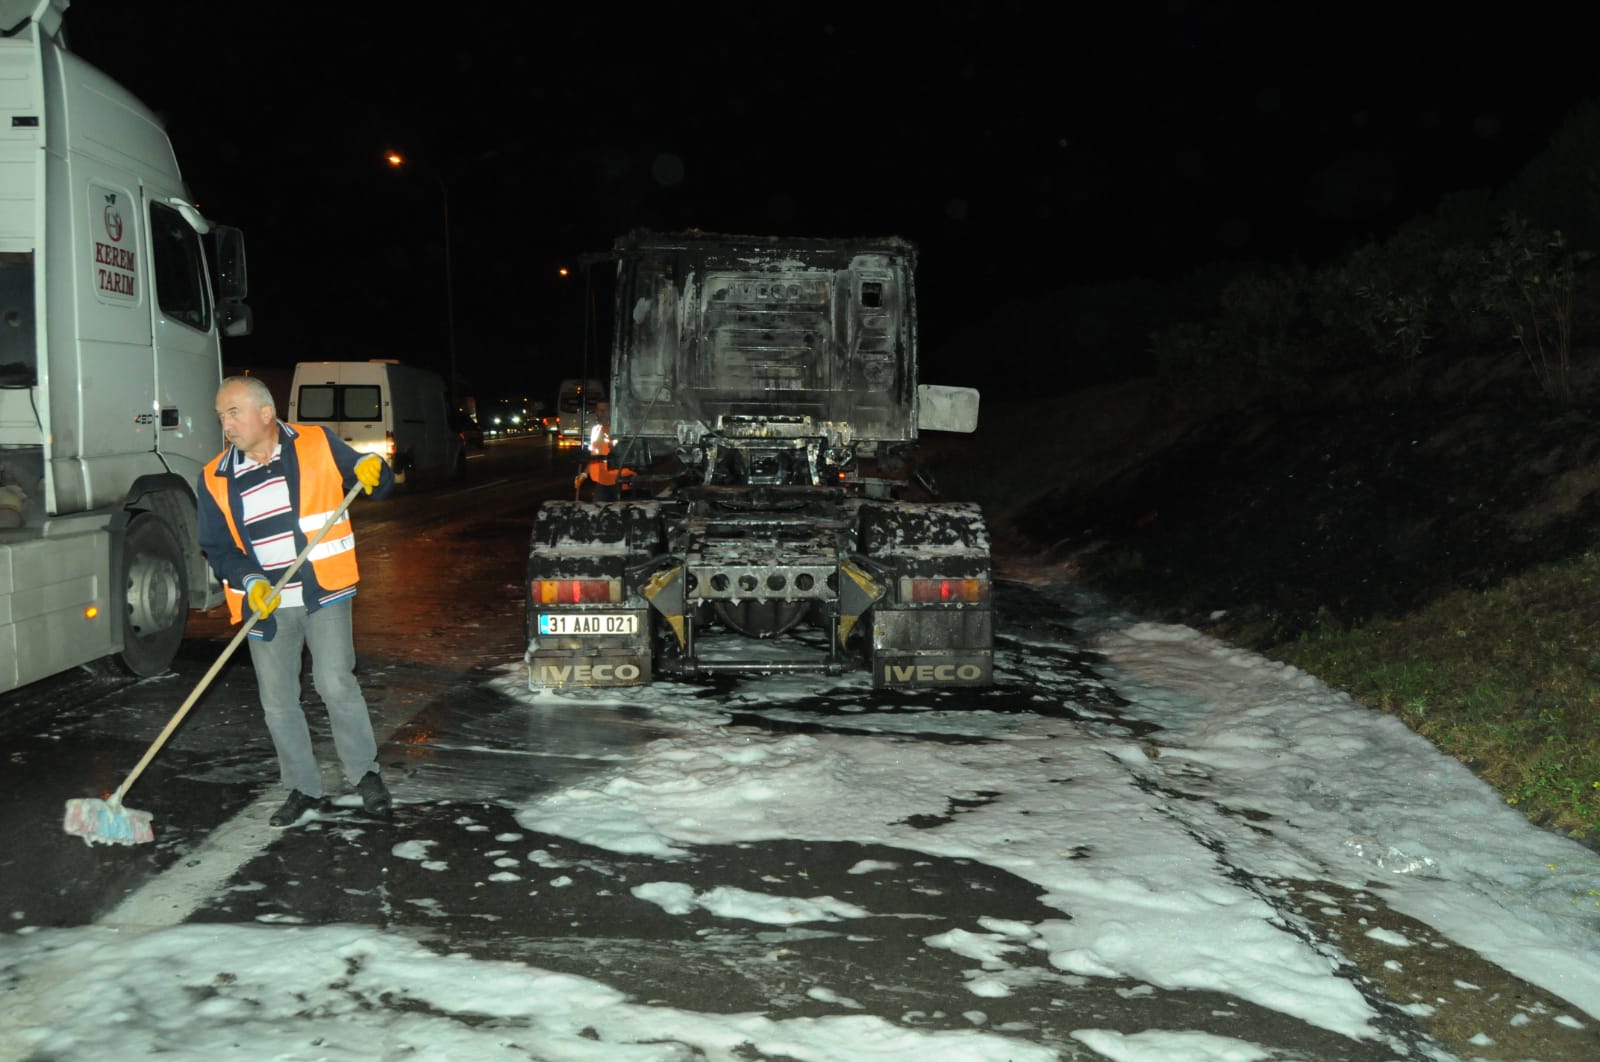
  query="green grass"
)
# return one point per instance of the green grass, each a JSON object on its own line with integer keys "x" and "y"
{"x": 1507, "y": 681}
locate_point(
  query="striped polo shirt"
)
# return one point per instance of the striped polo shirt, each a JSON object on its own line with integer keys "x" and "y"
{"x": 269, "y": 520}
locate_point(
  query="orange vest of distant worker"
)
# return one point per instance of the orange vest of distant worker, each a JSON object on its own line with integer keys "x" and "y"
{"x": 321, "y": 491}
{"x": 599, "y": 472}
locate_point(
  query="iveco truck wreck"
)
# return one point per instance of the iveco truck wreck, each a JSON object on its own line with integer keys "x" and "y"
{"x": 768, "y": 388}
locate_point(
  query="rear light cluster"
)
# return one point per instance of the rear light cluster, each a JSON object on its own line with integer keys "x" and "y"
{"x": 941, "y": 591}
{"x": 577, "y": 591}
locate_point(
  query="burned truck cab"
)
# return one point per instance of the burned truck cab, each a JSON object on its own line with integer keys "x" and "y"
{"x": 777, "y": 378}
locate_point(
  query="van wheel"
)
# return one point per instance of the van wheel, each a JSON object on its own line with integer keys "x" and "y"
{"x": 405, "y": 476}
{"x": 155, "y": 596}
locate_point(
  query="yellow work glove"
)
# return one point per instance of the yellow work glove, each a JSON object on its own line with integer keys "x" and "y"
{"x": 262, "y": 599}
{"x": 577, "y": 481}
{"x": 369, "y": 470}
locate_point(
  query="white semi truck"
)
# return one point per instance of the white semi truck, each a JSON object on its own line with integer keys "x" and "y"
{"x": 114, "y": 291}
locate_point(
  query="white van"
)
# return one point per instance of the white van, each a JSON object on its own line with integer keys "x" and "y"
{"x": 575, "y": 406}
{"x": 382, "y": 407}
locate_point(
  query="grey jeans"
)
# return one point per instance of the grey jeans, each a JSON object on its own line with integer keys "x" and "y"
{"x": 327, "y": 633}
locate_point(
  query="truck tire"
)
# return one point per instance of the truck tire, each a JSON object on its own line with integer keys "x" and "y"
{"x": 155, "y": 596}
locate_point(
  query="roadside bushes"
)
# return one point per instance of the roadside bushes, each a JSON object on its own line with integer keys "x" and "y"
{"x": 1452, "y": 280}
{"x": 1529, "y": 280}
{"x": 1255, "y": 345}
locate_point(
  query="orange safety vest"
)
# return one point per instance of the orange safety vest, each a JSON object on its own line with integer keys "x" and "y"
{"x": 321, "y": 491}
{"x": 600, "y": 473}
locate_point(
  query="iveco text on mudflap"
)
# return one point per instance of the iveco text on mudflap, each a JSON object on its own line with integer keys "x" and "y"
{"x": 109, "y": 365}
{"x": 768, "y": 389}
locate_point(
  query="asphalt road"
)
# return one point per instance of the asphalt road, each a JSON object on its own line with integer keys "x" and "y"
{"x": 439, "y": 627}
{"x": 439, "y": 617}
{"x": 440, "y": 603}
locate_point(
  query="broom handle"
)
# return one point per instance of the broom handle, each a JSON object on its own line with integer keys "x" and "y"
{"x": 244, "y": 631}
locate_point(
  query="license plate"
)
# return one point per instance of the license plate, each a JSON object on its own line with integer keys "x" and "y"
{"x": 588, "y": 623}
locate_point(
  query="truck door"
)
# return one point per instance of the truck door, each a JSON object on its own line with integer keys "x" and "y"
{"x": 184, "y": 331}
{"x": 147, "y": 353}
{"x": 111, "y": 413}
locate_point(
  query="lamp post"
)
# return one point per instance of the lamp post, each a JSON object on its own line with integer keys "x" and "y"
{"x": 398, "y": 161}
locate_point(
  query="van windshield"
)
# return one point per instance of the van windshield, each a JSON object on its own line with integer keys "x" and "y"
{"x": 325, "y": 402}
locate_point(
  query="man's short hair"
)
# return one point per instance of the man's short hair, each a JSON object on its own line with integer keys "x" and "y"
{"x": 258, "y": 391}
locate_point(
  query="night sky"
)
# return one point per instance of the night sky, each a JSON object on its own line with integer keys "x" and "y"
{"x": 1026, "y": 148}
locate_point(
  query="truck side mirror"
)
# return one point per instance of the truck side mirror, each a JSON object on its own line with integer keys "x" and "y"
{"x": 946, "y": 408}
{"x": 234, "y": 318}
{"x": 228, "y": 272}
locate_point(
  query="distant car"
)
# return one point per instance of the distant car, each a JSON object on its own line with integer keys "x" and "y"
{"x": 467, "y": 428}
{"x": 501, "y": 420}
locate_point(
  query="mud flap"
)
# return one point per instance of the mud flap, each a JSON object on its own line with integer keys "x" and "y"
{"x": 565, "y": 669}
{"x": 932, "y": 647}
{"x": 927, "y": 669}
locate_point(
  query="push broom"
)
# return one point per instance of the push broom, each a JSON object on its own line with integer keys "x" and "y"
{"x": 107, "y": 821}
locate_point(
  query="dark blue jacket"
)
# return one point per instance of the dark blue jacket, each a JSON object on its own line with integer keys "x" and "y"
{"x": 238, "y": 567}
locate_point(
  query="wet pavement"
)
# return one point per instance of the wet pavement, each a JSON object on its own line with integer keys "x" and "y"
{"x": 454, "y": 868}
{"x": 440, "y": 639}
{"x": 440, "y": 605}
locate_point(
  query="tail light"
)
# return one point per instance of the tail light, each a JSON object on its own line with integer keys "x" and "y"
{"x": 943, "y": 591}
{"x": 577, "y": 591}
{"x": 388, "y": 445}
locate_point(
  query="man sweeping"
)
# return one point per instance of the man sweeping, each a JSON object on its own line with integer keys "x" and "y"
{"x": 260, "y": 501}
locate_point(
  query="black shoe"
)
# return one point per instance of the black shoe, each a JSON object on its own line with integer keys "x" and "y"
{"x": 374, "y": 795}
{"x": 293, "y": 809}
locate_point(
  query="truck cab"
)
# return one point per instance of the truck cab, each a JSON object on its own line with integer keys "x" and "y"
{"x": 116, "y": 291}
{"x": 777, "y": 379}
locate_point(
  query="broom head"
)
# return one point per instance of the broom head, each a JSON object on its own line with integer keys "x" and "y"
{"x": 103, "y": 822}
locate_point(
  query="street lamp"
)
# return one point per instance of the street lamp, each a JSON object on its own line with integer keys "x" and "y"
{"x": 398, "y": 161}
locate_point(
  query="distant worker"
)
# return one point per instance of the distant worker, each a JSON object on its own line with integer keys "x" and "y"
{"x": 261, "y": 501}
{"x": 600, "y": 471}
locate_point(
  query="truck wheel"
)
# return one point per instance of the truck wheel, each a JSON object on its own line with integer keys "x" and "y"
{"x": 155, "y": 596}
